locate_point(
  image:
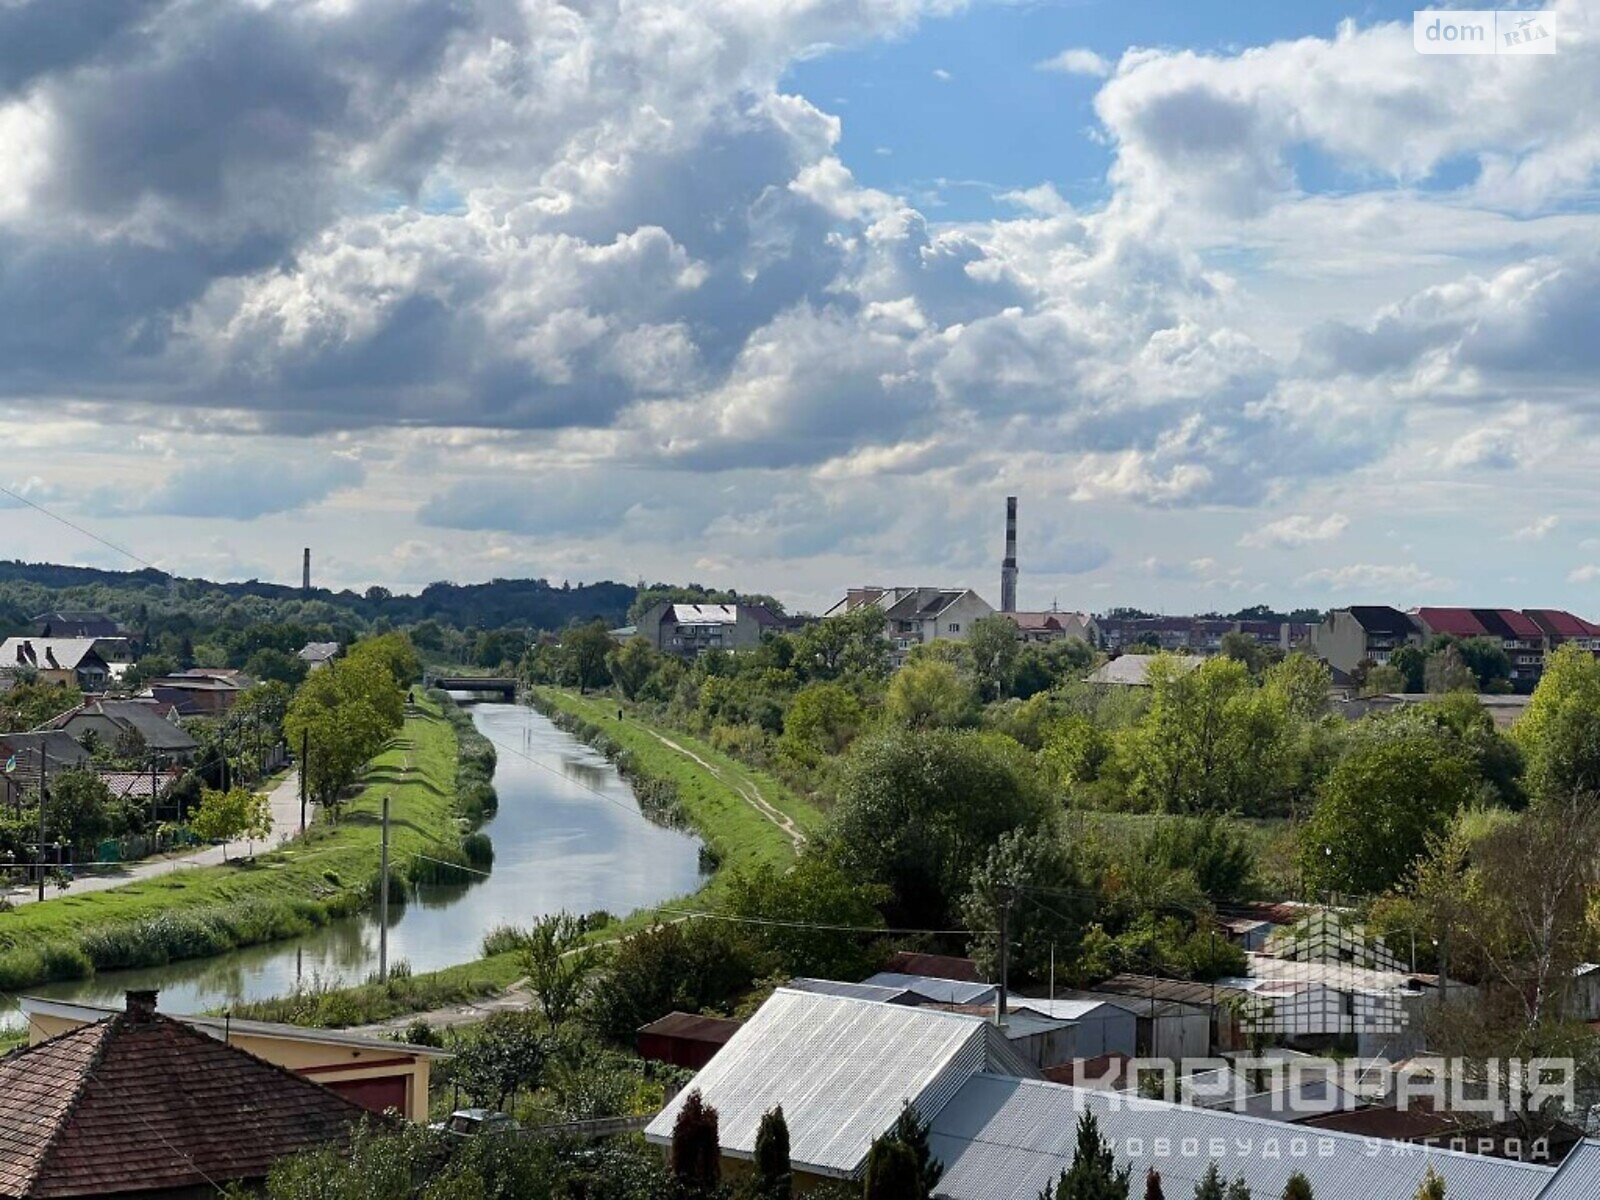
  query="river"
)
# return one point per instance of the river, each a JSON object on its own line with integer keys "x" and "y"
{"x": 568, "y": 835}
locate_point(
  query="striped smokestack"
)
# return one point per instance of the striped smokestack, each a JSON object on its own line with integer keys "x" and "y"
{"x": 1008, "y": 565}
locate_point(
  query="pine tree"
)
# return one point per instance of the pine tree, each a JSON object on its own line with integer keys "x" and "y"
{"x": 1238, "y": 1189}
{"x": 1298, "y": 1188}
{"x": 892, "y": 1172}
{"x": 696, "y": 1157}
{"x": 1093, "y": 1174}
{"x": 774, "y": 1180}
{"x": 1432, "y": 1187}
{"x": 1210, "y": 1187}
{"x": 913, "y": 1131}
{"x": 1152, "y": 1186}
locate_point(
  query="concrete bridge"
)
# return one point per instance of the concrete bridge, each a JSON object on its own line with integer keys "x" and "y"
{"x": 506, "y": 689}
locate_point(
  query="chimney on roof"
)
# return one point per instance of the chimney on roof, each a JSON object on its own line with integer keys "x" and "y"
{"x": 1008, "y": 565}
{"x": 140, "y": 1005}
{"x": 305, "y": 571}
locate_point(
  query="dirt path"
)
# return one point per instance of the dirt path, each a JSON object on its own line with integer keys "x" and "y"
{"x": 750, "y": 793}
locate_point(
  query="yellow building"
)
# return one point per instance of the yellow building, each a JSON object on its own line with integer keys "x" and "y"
{"x": 375, "y": 1073}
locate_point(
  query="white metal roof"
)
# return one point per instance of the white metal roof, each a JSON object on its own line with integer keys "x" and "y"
{"x": 1071, "y": 1010}
{"x": 940, "y": 991}
{"x": 1579, "y": 1176}
{"x": 860, "y": 991}
{"x": 1000, "y": 1138}
{"x": 842, "y": 1068}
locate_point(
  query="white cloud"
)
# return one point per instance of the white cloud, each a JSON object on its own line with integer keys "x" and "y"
{"x": 1298, "y": 530}
{"x": 1537, "y": 530}
{"x": 942, "y": 75}
{"x": 1587, "y": 573}
{"x": 1077, "y": 61}
{"x": 1375, "y": 578}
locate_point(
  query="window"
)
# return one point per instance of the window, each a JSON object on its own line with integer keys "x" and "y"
{"x": 955, "y": 626}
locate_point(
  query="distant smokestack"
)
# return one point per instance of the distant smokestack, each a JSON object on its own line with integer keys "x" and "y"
{"x": 1008, "y": 565}
{"x": 305, "y": 571}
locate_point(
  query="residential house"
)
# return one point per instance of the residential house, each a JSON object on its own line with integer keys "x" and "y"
{"x": 1518, "y": 634}
{"x": 71, "y": 662}
{"x": 150, "y": 723}
{"x": 318, "y": 654}
{"x": 1133, "y": 670}
{"x": 139, "y": 1105}
{"x": 77, "y": 623}
{"x": 378, "y": 1073}
{"x": 19, "y": 762}
{"x": 685, "y": 1039}
{"x": 1190, "y": 635}
{"x": 689, "y": 630}
{"x": 196, "y": 695}
{"x": 916, "y": 616}
{"x": 1050, "y": 626}
{"x": 1348, "y": 637}
{"x": 842, "y": 1068}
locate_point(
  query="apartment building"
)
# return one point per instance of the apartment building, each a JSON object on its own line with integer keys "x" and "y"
{"x": 915, "y": 616}
{"x": 1517, "y": 633}
{"x": 1361, "y": 633}
{"x": 1191, "y": 635}
{"x": 689, "y": 630}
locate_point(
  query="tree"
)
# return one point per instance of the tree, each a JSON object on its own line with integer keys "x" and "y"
{"x": 1241, "y": 647}
{"x": 813, "y": 894}
{"x": 1210, "y": 1186}
{"x": 558, "y": 964}
{"x": 774, "y": 1177}
{"x": 1447, "y": 671}
{"x": 631, "y": 666}
{"x": 900, "y": 1165}
{"x": 1301, "y": 684}
{"x": 696, "y": 1155}
{"x": 29, "y": 704}
{"x": 80, "y": 810}
{"x": 1558, "y": 734}
{"x": 1094, "y": 1174}
{"x": 346, "y": 712}
{"x": 820, "y": 722}
{"x": 1377, "y": 810}
{"x": 1412, "y": 665}
{"x": 891, "y": 1172}
{"x": 1238, "y": 1189}
{"x": 992, "y": 648}
{"x": 584, "y": 650}
{"x": 688, "y": 966}
{"x": 1298, "y": 1187}
{"x": 929, "y": 694}
{"x": 849, "y": 645}
{"x": 1487, "y": 660}
{"x": 394, "y": 652}
{"x": 269, "y": 665}
{"x": 1152, "y": 1186}
{"x": 1383, "y": 679}
{"x": 1054, "y": 916}
{"x": 1431, "y": 1187}
{"x": 230, "y": 815}
{"x": 507, "y": 1055}
{"x": 917, "y": 811}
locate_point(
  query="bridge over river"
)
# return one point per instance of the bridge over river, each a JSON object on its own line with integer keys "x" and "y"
{"x": 478, "y": 684}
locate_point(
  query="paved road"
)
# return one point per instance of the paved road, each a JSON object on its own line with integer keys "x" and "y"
{"x": 285, "y": 824}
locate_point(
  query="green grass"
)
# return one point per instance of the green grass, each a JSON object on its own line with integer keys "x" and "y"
{"x": 201, "y": 911}
{"x": 740, "y": 837}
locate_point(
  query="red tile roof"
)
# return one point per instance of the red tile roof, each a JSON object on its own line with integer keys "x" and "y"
{"x": 1521, "y": 624}
{"x": 935, "y": 966}
{"x": 1563, "y": 624}
{"x": 1457, "y": 621}
{"x": 140, "y": 1102}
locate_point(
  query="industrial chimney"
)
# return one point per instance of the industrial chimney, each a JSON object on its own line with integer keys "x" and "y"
{"x": 1008, "y": 565}
{"x": 305, "y": 571}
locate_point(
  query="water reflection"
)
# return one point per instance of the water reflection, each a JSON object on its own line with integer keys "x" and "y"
{"x": 569, "y": 834}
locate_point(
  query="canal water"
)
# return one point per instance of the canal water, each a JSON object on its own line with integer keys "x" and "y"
{"x": 568, "y": 835}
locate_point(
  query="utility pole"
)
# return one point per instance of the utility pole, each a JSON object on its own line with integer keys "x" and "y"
{"x": 1052, "y": 972}
{"x": 383, "y": 899}
{"x": 305, "y": 750}
{"x": 1005, "y": 955}
{"x": 41, "y": 818}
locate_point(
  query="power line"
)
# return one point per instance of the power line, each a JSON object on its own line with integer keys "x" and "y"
{"x": 88, "y": 533}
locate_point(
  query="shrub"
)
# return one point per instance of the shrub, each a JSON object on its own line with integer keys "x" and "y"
{"x": 479, "y": 850}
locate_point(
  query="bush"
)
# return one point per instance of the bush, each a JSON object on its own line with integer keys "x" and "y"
{"x": 478, "y": 849}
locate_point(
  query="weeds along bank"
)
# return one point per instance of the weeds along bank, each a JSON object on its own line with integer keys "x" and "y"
{"x": 331, "y": 872}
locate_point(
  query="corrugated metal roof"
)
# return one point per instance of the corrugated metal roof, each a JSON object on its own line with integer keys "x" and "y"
{"x": 1001, "y": 1138}
{"x": 842, "y": 1068}
{"x": 1071, "y": 1010}
{"x": 1133, "y": 670}
{"x": 859, "y": 991}
{"x": 1579, "y": 1176}
{"x": 940, "y": 991}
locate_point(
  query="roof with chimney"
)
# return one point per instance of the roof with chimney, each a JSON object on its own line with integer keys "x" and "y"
{"x": 49, "y": 654}
{"x": 142, "y": 1103}
{"x": 77, "y": 623}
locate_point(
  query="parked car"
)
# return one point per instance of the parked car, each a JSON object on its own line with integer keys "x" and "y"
{"x": 476, "y": 1122}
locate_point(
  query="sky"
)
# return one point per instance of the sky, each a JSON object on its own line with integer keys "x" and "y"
{"x": 1247, "y": 302}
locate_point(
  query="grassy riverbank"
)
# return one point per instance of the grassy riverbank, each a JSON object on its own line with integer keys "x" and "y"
{"x": 204, "y": 911}
{"x": 720, "y": 798}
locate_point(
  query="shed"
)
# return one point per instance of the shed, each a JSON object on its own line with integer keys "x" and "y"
{"x": 937, "y": 991}
{"x": 685, "y": 1039}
